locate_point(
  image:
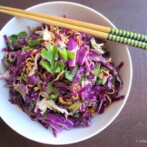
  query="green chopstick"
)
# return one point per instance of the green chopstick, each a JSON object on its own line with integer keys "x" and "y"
{"x": 113, "y": 34}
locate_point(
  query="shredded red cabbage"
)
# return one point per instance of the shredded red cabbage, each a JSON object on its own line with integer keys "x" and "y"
{"x": 59, "y": 78}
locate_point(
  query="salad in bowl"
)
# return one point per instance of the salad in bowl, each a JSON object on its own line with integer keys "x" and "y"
{"x": 60, "y": 77}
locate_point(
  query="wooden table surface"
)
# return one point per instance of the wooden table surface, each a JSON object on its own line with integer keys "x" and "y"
{"x": 130, "y": 127}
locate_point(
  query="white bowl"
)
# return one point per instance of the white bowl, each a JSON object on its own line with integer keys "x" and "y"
{"x": 20, "y": 122}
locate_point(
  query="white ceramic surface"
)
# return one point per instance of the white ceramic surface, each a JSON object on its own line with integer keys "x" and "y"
{"x": 20, "y": 122}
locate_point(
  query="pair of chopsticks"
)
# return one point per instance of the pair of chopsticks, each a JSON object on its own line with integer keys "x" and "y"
{"x": 113, "y": 34}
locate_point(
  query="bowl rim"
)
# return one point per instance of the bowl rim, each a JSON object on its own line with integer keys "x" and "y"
{"x": 130, "y": 81}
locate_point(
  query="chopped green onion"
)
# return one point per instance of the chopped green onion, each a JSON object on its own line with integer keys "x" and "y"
{"x": 96, "y": 71}
{"x": 69, "y": 76}
{"x": 102, "y": 67}
{"x": 86, "y": 101}
{"x": 83, "y": 78}
{"x": 113, "y": 80}
{"x": 26, "y": 48}
{"x": 77, "y": 115}
{"x": 75, "y": 106}
{"x": 99, "y": 81}
{"x": 53, "y": 93}
{"x": 23, "y": 77}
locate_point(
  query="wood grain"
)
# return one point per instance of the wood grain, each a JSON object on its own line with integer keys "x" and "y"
{"x": 130, "y": 127}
